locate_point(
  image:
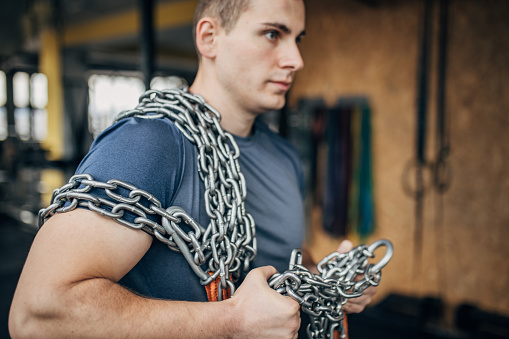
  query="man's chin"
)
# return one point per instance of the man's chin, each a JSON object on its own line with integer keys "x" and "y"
{"x": 271, "y": 109}
{"x": 268, "y": 102}
{"x": 277, "y": 101}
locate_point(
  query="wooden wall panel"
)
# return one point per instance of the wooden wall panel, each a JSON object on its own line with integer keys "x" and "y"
{"x": 353, "y": 49}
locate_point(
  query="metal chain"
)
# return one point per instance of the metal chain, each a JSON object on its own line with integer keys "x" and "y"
{"x": 342, "y": 276}
{"x": 228, "y": 244}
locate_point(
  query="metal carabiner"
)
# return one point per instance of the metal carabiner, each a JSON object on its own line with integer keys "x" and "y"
{"x": 387, "y": 257}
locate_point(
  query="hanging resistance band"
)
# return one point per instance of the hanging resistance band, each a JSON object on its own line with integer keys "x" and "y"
{"x": 362, "y": 200}
{"x": 349, "y": 198}
{"x": 335, "y": 212}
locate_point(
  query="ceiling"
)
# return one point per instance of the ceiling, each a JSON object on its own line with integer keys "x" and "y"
{"x": 105, "y": 32}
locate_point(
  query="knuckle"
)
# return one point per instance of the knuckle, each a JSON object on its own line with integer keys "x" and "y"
{"x": 295, "y": 307}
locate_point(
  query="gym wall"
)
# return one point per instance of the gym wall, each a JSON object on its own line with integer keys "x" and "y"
{"x": 353, "y": 48}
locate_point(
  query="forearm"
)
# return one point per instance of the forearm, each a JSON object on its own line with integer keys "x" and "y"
{"x": 68, "y": 289}
{"x": 99, "y": 308}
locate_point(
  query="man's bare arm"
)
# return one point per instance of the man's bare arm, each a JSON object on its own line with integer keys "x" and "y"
{"x": 69, "y": 288}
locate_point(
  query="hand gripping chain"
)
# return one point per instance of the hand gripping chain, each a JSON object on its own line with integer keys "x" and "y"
{"x": 228, "y": 244}
{"x": 342, "y": 276}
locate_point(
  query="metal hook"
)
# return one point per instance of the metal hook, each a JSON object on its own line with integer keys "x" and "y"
{"x": 387, "y": 257}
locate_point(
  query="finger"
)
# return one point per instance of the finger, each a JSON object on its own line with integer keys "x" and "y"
{"x": 370, "y": 291}
{"x": 265, "y": 271}
{"x": 345, "y": 246}
{"x": 363, "y": 300}
{"x": 352, "y": 308}
{"x": 356, "y": 305}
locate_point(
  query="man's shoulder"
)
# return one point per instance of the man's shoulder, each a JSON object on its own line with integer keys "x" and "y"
{"x": 138, "y": 134}
{"x": 143, "y": 127}
{"x": 150, "y": 154}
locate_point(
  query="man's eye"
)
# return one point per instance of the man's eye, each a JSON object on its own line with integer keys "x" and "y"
{"x": 271, "y": 35}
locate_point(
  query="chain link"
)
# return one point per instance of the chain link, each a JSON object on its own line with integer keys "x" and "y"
{"x": 341, "y": 276}
{"x": 228, "y": 244}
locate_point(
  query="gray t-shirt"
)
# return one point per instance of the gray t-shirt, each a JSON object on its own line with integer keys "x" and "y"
{"x": 155, "y": 156}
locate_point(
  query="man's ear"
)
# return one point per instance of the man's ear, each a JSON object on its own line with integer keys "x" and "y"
{"x": 207, "y": 30}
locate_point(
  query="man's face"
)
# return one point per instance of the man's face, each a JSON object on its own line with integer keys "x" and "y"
{"x": 257, "y": 60}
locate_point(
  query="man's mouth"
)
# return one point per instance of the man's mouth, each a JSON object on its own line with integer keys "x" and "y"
{"x": 282, "y": 85}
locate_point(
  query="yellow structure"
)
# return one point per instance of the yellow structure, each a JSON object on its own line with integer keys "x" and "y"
{"x": 166, "y": 15}
{"x": 50, "y": 63}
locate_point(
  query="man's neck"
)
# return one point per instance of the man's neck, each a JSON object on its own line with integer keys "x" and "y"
{"x": 233, "y": 119}
{"x": 237, "y": 124}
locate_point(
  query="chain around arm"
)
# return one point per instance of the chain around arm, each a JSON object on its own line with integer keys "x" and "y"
{"x": 223, "y": 248}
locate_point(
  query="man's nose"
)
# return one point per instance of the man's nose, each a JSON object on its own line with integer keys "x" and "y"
{"x": 291, "y": 58}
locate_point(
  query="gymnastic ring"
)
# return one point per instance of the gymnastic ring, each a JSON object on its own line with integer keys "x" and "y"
{"x": 412, "y": 166}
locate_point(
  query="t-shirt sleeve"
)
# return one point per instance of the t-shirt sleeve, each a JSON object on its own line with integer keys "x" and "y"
{"x": 145, "y": 153}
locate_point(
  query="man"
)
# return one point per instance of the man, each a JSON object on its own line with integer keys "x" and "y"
{"x": 87, "y": 276}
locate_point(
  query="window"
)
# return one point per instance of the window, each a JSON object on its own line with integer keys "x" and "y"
{"x": 21, "y": 92}
{"x": 30, "y": 96}
{"x": 30, "y": 100}
{"x": 109, "y": 95}
{"x": 39, "y": 101}
{"x": 161, "y": 83}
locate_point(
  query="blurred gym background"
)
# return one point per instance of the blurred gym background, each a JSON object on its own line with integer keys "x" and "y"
{"x": 400, "y": 116}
